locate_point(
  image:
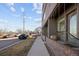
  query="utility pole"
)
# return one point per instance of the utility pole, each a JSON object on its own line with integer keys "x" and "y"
{"x": 23, "y": 14}
{"x": 23, "y": 36}
{"x": 23, "y": 23}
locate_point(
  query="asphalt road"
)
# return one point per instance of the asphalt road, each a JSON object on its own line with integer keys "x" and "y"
{"x": 7, "y": 42}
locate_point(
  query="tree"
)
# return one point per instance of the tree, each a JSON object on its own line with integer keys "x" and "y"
{"x": 20, "y": 31}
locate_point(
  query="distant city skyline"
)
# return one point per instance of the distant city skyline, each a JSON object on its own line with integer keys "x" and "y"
{"x": 11, "y": 16}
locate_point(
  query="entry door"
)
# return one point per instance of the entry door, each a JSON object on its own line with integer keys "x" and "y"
{"x": 73, "y": 23}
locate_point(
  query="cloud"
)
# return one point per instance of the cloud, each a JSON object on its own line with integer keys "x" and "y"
{"x": 12, "y": 9}
{"x": 30, "y": 17}
{"x": 37, "y": 7}
{"x": 37, "y": 23}
{"x": 11, "y": 6}
{"x": 22, "y": 9}
{"x": 17, "y": 15}
{"x": 39, "y": 11}
{"x": 38, "y": 20}
{"x": 27, "y": 17}
{"x": 3, "y": 21}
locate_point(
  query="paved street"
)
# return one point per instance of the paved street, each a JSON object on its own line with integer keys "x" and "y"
{"x": 38, "y": 48}
{"x": 7, "y": 42}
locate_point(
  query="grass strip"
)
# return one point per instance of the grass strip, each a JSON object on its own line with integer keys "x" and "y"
{"x": 20, "y": 49}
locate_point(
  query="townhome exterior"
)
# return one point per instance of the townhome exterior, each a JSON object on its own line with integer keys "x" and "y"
{"x": 60, "y": 25}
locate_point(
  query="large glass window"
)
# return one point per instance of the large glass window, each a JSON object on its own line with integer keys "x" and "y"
{"x": 61, "y": 29}
{"x": 73, "y": 24}
{"x": 61, "y": 25}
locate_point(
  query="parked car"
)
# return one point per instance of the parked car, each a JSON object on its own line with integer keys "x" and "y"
{"x": 23, "y": 36}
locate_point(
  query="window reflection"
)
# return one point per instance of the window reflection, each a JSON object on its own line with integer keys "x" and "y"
{"x": 61, "y": 25}
{"x": 73, "y": 25}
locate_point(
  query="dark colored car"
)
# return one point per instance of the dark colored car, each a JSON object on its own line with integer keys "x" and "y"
{"x": 23, "y": 37}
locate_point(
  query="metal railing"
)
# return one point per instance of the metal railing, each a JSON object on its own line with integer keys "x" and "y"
{"x": 71, "y": 39}
{"x": 61, "y": 35}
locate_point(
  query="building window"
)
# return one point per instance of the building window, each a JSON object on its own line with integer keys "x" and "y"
{"x": 61, "y": 25}
{"x": 73, "y": 24}
{"x": 61, "y": 29}
{"x": 73, "y": 40}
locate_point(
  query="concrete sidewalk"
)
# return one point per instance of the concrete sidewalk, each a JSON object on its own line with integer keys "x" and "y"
{"x": 38, "y": 48}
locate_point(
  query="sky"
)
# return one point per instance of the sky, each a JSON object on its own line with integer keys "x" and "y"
{"x": 11, "y": 16}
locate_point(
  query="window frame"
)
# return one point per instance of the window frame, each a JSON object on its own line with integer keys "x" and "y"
{"x": 59, "y": 21}
{"x": 71, "y": 14}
